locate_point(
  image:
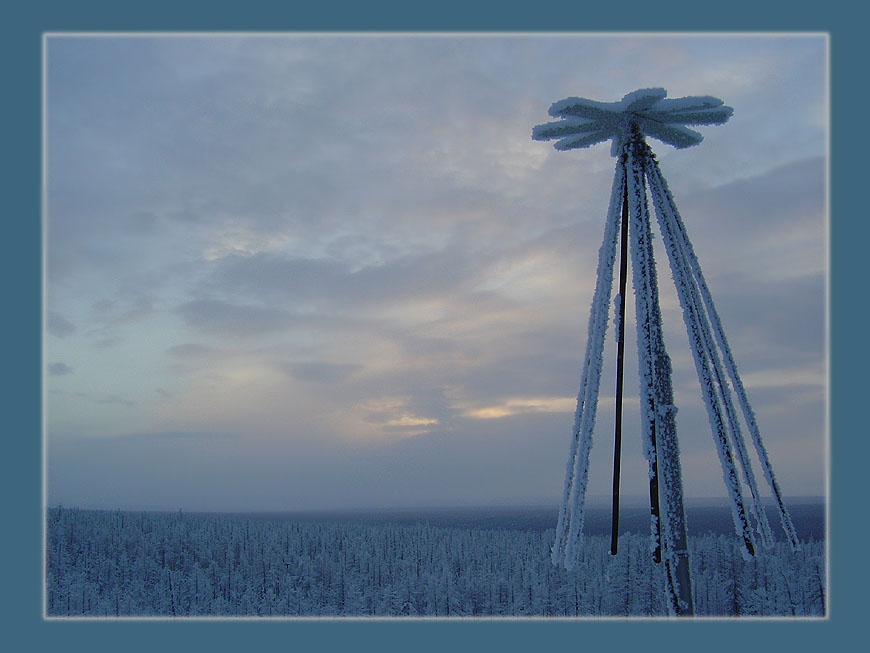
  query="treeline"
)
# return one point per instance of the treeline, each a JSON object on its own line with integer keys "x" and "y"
{"x": 102, "y": 563}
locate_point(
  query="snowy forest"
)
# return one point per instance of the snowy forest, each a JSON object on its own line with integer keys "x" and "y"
{"x": 115, "y": 563}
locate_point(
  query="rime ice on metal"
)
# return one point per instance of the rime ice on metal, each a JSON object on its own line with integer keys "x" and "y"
{"x": 587, "y": 122}
{"x": 649, "y": 112}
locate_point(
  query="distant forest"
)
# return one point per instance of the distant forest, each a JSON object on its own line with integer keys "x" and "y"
{"x": 112, "y": 563}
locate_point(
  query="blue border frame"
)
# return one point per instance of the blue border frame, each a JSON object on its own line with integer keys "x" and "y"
{"x": 21, "y": 606}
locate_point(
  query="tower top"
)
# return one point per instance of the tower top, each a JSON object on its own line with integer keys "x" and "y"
{"x": 588, "y": 122}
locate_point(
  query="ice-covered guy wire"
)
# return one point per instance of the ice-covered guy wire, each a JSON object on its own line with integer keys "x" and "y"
{"x": 648, "y": 112}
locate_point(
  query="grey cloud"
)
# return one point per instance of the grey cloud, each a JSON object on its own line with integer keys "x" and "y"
{"x": 218, "y": 139}
{"x": 58, "y": 325}
{"x": 127, "y": 307}
{"x": 107, "y": 342}
{"x": 779, "y": 322}
{"x": 279, "y": 276}
{"x": 104, "y": 306}
{"x": 474, "y": 381}
{"x": 178, "y": 436}
{"x": 327, "y": 283}
{"x": 59, "y": 369}
{"x": 428, "y": 275}
{"x": 110, "y": 317}
{"x": 114, "y": 399}
{"x": 231, "y": 320}
{"x": 229, "y": 108}
{"x": 546, "y": 374}
{"x": 788, "y": 192}
{"x": 55, "y": 391}
{"x": 320, "y": 372}
{"x": 192, "y": 350}
{"x": 142, "y": 306}
{"x": 771, "y": 224}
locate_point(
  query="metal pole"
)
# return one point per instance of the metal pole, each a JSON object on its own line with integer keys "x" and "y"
{"x": 654, "y": 500}
{"x": 620, "y": 359}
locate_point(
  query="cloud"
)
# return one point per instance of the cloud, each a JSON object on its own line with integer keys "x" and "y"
{"x": 778, "y": 322}
{"x": 520, "y": 405}
{"x": 115, "y": 399}
{"x": 764, "y": 227}
{"x": 177, "y": 436}
{"x": 59, "y": 369}
{"x": 58, "y": 325}
{"x": 232, "y": 320}
{"x": 128, "y": 307}
{"x": 332, "y": 284}
{"x": 786, "y": 378}
{"x": 319, "y": 372}
{"x": 349, "y": 251}
{"x": 193, "y": 350}
{"x": 107, "y": 342}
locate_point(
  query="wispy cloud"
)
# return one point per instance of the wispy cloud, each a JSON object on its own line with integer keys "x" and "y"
{"x": 177, "y": 436}
{"x": 520, "y": 405}
{"x": 232, "y": 320}
{"x": 59, "y": 369}
{"x": 114, "y": 399}
{"x": 58, "y": 325}
{"x": 319, "y": 372}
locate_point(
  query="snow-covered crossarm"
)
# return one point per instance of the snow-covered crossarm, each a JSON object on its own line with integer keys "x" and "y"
{"x": 648, "y": 111}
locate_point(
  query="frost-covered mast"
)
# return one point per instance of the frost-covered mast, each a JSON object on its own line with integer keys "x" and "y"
{"x": 648, "y": 112}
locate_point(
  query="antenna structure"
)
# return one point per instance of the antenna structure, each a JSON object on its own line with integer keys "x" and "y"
{"x": 638, "y": 180}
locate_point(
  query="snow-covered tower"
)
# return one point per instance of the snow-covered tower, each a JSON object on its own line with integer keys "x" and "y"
{"x": 649, "y": 112}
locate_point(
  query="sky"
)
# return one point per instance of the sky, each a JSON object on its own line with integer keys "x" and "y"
{"x": 303, "y": 272}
